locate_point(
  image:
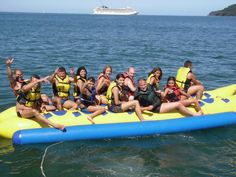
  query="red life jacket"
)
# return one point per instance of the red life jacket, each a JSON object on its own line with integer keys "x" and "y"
{"x": 125, "y": 74}
{"x": 104, "y": 88}
{"x": 106, "y": 77}
{"x": 126, "y": 88}
{"x": 176, "y": 92}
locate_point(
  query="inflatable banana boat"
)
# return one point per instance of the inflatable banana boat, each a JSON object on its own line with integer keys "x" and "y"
{"x": 218, "y": 105}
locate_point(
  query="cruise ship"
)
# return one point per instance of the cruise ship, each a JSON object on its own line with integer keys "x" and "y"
{"x": 104, "y": 10}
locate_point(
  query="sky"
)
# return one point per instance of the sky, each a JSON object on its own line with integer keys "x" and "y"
{"x": 145, "y": 7}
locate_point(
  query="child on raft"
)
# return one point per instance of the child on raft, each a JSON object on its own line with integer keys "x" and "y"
{"x": 89, "y": 100}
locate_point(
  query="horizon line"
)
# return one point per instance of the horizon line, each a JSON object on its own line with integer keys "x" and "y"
{"x": 74, "y": 13}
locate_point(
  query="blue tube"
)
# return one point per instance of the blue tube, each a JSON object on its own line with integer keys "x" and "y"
{"x": 102, "y": 131}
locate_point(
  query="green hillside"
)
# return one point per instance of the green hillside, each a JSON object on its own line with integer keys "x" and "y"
{"x": 229, "y": 11}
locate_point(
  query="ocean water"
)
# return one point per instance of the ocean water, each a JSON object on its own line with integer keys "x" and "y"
{"x": 41, "y": 42}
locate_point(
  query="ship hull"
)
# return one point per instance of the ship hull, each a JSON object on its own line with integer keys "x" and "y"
{"x": 109, "y": 11}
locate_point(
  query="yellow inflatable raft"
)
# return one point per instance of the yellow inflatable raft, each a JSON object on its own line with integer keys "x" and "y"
{"x": 216, "y": 101}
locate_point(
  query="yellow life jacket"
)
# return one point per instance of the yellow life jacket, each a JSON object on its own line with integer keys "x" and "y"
{"x": 63, "y": 86}
{"x": 149, "y": 80}
{"x": 30, "y": 97}
{"x": 109, "y": 95}
{"x": 181, "y": 76}
{"x": 76, "y": 92}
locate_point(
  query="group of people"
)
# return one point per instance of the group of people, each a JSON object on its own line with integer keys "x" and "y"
{"x": 119, "y": 95}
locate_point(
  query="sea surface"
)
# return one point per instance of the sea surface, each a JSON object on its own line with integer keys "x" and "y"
{"x": 41, "y": 42}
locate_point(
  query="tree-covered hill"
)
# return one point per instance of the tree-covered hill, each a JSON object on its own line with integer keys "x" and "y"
{"x": 229, "y": 11}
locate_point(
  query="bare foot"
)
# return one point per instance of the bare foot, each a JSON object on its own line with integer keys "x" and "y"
{"x": 90, "y": 119}
{"x": 199, "y": 113}
{"x": 142, "y": 119}
{"x": 60, "y": 127}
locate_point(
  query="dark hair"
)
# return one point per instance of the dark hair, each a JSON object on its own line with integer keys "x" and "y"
{"x": 61, "y": 69}
{"x": 154, "y": 70}
{"x": 118, "y": 76}
{"x": 91, "y": 79}
{"x": 187, "y": 63}
{"x": 170, "y": 78}
{"x": 80, "y": 69}
{"x": 35, "y": 76}
{"x": 141, "y": 79}
{"x": 104, "y": 69}
{"x": 17, "y": 70}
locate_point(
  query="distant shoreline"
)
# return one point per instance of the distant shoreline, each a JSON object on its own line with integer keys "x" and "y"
{"x": 65, "y": 13}
{"x": 228, "y": 11}
{"x": 1, "y": 12}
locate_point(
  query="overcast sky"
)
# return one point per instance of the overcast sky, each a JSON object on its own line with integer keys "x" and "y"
{"x": 145, "y": 7}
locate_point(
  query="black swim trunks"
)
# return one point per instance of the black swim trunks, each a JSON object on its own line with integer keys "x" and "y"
{"x": 157, "y": 109}
{"x": 115, "y": 108}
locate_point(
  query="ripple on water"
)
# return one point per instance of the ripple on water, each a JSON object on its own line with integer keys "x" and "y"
{"x": 41, "y": 42}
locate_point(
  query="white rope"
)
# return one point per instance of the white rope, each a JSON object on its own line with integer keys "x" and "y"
{"x": 41, "y": 166}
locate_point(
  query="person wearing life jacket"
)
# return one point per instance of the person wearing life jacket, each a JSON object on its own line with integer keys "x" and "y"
{"x": 28, "y": 102}
{"x": 118, "y": 101}
{"x": 173, "y": 93}
{"x": 129, "y": 84}
{"x": 151, "y": 101}
{"x": 61, "y": 89}
{"x": 186, "y": 80}
{"x": 81, "y": 76}
{"x": 89, "y": 100}
{"x": 17, "y": 81}
{"x": 103, "y": 83}
{"x": 154, "y": 77}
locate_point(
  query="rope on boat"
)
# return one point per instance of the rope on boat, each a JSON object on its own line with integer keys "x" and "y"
{"x": 44, "y": 155}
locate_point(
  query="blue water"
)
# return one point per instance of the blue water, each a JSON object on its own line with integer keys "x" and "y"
{"x": 41, "y": 42}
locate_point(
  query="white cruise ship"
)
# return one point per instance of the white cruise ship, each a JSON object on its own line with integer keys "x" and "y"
{"x": 104, "y": 10}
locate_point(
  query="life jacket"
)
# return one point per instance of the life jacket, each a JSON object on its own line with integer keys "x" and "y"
{"x": 148, "y": 97}
{"x": 88, "y": 99}
{"x": 21, "y": 83}
{"x": 175, "y": 95}
{"x": 62, "y": 87}
{"x": 181, "y": 77}
{"x": 104, "y": 88}
{"x": 149, "y": 80}
{"x": 103, "y": 75}
{"x": 30, "y": 98}
{"x": 76, "y": 92}
{"x": 125, "y": 74}
{"x": 109, "y": 94}
{"x": 126, "y": 88}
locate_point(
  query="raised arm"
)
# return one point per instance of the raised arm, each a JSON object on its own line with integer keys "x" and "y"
{"x": 9, "y": 61}
{"x": 28, "y": 86}
{"x": 51, "y": 78}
